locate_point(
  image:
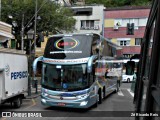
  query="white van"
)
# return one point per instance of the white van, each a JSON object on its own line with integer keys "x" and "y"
{"x": 128, "y": 78}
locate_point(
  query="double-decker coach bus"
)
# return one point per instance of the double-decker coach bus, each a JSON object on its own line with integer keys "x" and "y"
{"x": 68, "y": 70}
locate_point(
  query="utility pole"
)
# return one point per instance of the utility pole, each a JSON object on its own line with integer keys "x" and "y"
{"x": 29, "y": 70}
{"x": 0, "y": 10}
{"x": 22, "y": 33}
{"x": 35, "y": 28}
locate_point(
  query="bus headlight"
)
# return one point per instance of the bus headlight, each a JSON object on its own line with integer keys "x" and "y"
{"x": 43, "y": 100}
{"x": 83, "y": 96}
{"x": 83, "y": 103}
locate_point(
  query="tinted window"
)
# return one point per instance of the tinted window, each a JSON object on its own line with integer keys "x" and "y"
{"x": 70, "y": 47}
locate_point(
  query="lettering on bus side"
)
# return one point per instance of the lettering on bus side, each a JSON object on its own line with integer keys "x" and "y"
{"x": 19, "y": 75}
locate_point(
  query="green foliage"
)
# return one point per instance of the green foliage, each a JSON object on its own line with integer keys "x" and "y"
{"x": 53, "y": 17}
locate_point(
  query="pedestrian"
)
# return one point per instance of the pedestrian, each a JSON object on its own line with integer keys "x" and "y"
{"x": 106, "y": 73}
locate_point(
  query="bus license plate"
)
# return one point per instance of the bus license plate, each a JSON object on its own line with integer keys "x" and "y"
{"x": 61, "y": 104}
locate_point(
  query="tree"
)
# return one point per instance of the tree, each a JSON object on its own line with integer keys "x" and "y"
{"x": 54, "y": 18}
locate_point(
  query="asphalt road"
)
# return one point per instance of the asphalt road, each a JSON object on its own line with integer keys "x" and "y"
{"x": 118, "y": 106}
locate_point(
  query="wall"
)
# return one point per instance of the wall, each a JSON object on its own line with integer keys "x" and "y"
{"x": 40, "y": 50}
{"x": 131, "y": 14}
{"x": 97, "y": 14}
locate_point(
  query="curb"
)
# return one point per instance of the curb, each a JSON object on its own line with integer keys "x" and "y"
{"x": 32, "y": 96}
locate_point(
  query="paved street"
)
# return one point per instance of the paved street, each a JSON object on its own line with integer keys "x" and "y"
{"x": 121, "y": 101}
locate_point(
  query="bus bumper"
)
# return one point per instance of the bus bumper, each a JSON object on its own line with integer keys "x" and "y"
{"x": 85, "y": 103}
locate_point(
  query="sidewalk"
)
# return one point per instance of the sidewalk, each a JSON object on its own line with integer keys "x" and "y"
{"x": 33, "y": 93}
{"x": 33, "y": 90}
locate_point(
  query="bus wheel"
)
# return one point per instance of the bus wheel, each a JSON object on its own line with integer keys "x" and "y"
{"x": 100, "y": 96}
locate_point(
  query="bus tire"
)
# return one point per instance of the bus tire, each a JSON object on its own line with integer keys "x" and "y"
{"x": 17, "y": 102}
{"x": 100, "y": 96}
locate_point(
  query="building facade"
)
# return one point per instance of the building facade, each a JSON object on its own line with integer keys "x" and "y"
{"x": 117, "y": 30}
{"x": 5, "y": 34}
{"x": 71, "y": 2}
{"x": 89, "y": 19}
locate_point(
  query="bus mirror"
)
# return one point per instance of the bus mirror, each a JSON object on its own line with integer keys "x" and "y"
{"x": 130, "y": 67}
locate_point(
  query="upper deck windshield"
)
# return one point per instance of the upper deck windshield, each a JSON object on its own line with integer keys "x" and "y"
{"x": 65, "y": 77}
{"x": 68, "y": 47}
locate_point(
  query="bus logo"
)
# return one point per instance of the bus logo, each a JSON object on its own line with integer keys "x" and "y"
{"x": 66, "y": 43}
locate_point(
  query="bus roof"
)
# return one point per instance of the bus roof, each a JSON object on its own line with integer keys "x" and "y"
{"x": 71, "y": 34}
{"x": 120, "y": 61}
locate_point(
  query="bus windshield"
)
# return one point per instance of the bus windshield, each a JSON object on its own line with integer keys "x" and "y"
{"x": 65, "y": 77}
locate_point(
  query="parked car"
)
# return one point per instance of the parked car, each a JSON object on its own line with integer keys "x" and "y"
{"x": 128, "y": 78}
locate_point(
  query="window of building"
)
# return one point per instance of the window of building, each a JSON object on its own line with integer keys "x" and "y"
{"x": 137, "y": 21}
{"x": 124, "y": 22}
{"x": 83, "y": 24}
{"x": 138, "y": 41}
{"x": 142, "y": 22}
{"x": 124, "y": 42}
{"x": 89, "y": 24}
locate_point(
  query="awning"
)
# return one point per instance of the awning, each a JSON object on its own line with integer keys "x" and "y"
{"x": 117, "y": 47}
{"x": 5, "y": 36}
{"x": 82, "y": 11}
{"x": 5, "y": 31}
